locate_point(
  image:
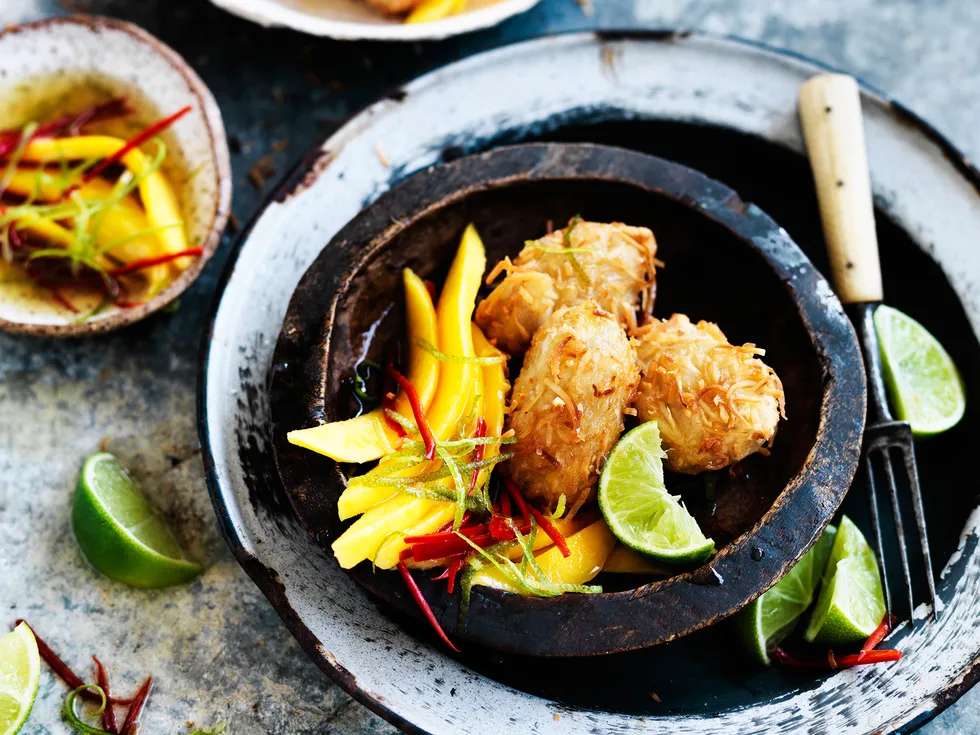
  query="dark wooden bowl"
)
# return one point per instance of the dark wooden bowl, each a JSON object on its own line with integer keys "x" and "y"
{"x": 727, "y": 261}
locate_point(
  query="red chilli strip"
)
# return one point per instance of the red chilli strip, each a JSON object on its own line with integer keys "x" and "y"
{"x": 431, "y": 288}
{"x": 457, "y": 547}
{"x": 884, "y": 655}
{"x": 553, "y": 533}
{"x": 834, "y": 662}
{"x": 423, "y": 605}
{"x": 420, "y": 420}
{"x": 877, "y": 636}
{"x": 136, "y": 710}
{"x": 481, "y": 431}
{"x": 388, "y": 389}
{"x": 448, "y": 549}
{"x": 428, "y": 538}
{"x": 452, "y": 571}
{"x": 70, "y": 124}
{"x": 500, "y": 528}
{"x": 51, "y": 658}
{"x": 60, "y": 297}
{"x": 515, "y": 493}
{"x": 142, "y": 263}
{"x": 505, "y": 507}
{"x": 108, "y": 714}
{"x": 134, "y": 142}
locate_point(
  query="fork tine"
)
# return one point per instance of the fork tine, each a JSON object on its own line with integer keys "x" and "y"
{"x": 903, "y": 552}
{"x": 876, "y": 531}
{"x": 912, "y": 470}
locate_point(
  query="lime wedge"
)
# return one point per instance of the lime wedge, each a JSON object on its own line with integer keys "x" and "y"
{"x": 119, "y": 532}
{"x": 769, "y": 618}
{"x": 925, "y": 386}
{"x": 638, "y": 508}
{"x": 20, "y": 672}
{"x": 851, "y": 604}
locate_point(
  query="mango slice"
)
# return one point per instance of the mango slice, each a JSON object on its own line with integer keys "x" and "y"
{"x": 159, "y": 200}
{"x": 623, "y": 560}
{"x": 368, "y": 437}
{"x": 428, "y": 11}
{"x": 589, "y": 549}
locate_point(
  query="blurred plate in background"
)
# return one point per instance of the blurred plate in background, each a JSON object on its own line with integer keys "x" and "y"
{"x": 355, "y": 19}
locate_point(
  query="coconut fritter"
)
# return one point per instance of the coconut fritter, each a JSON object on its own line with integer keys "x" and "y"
{"x": 613, "y": 264}
{"x": 579, "y": 376}
{"x": 716, "y": 403}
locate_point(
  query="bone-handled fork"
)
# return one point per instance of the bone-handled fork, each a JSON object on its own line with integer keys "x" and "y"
{"x": 833, "y": 129}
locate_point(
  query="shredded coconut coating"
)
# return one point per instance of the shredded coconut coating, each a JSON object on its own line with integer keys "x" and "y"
{"x": 613, "y": 264}
{"x": 716, "y": 403}
{"x": 579, "y": 376}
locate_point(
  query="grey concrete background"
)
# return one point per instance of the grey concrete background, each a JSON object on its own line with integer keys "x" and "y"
{"x": 215, "y": 647}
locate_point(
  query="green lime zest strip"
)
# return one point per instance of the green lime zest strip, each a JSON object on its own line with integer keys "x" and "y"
{"x": 439, "y": 474}
{"x": 559, "y": 506}
{"x": 407, "y": 424}
{"x": 459, "y": 484}
{"x": 446, "y": 357}
{"x": 567, "y": 239}
{"x": 74, "y": 720}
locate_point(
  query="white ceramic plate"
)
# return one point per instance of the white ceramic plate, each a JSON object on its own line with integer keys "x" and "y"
{"x": 354, "y": 19}
{"x": 675, "y": 79}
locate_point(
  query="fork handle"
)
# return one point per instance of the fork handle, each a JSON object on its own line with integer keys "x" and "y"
{"x": 833, "y": 129}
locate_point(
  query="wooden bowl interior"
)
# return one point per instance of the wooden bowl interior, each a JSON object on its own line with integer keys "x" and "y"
{"x": 710, "y": 274}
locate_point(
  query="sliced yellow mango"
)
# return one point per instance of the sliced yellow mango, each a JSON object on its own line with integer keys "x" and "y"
{"x": 159, "y": 200}
{"x": 362, "y": 540}
{"x": 431, "y": 10}
{"x": 541, "y": 541}
{"x": 368, "y": 437}
{"x": 458, "y": 383}
{"x": 122, "y": 222}
{"x": 361, "y": 498}
{"x": 453, "y": 317}
{"x": 355, "y": 440}
{"x": 45, "y": 185}
{"x": 566, "y": 527}
{"x": 589, "y": 549}
{"x": 441, "y": 513}
{"x": 623, "y": 560}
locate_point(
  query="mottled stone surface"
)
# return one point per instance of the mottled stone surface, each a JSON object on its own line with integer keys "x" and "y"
{"x": 216, "y": 647}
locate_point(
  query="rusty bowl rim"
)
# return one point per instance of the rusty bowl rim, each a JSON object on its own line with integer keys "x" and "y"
{"x": 218, "y": 144}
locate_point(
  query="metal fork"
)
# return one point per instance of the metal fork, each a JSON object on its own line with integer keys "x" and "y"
{"x": 833, "y": 129}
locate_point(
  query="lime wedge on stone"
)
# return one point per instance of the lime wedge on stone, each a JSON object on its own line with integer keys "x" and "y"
{"x": 769, "y": 618}
{"x": 20, "y": 672}
{"x": 638, "y": 508}
{"x": 119, "y": 532}
{"x": 925, "y": 386}
{"x": 851, "y": 603}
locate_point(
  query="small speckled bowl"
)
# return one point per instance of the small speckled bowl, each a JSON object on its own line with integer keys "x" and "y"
{"x": 128, "y": 61}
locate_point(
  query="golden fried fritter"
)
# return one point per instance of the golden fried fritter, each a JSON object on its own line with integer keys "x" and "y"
{"x": 579, "y": 375}
{"x": 716, "y": 403}
{"x": 613, "y": 264}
